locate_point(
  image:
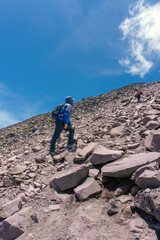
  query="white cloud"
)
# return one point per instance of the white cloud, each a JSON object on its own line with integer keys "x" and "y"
{"x": 6, "y": 119}
{"x": 142, "y": 32}
{"x": 106, "y": 72}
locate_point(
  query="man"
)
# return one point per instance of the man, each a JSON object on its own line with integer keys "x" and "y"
{"x": 138, "y": 95}
{"x": 63, "y": 123}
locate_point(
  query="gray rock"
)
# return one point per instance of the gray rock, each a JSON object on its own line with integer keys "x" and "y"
{"x": 40, "y": 159}
{"x": 102, "y": 155}
{"x": 85, "y": 152}
{"x": 153, "y": 141}
{"x": 149, "y": 179}
{"x": 71, "y": 178}
{"x": 87, "y": 189}
{"x": 10, "y": 208}
{"x": 18, "y": 170}
{"x": 117, "y": 131}
{"x": 134, "y": 190}
{"x": 152, "y": 125}
{"x": 133, "y": 146}
{"x": 147, "y": 119}
{"x": 152, "y": 167}
{"x": 123, "y": 189}
{"x": 125, "y": 199}
{"x": 126, "y": 167}
{"x": 152, "y": 112}
{"x": 113, "y": 207}
{"x": 14, "y": 226}
{"x": 149, "y": 201}
{"x": 59, "y": 157}
{"x": 93, "y": 173}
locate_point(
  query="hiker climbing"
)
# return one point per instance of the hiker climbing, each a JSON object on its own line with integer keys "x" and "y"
{"x": 63, "y": 114}
{"x": 138, "y": 95}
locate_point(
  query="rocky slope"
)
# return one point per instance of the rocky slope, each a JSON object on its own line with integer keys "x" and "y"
{"x": 109, "y": 188}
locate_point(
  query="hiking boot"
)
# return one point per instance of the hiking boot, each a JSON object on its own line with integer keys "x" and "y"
{"x": 69, "y": 147}
{"x": 52, "y": 154}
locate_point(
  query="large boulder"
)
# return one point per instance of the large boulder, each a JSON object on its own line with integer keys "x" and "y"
{"x": 149, "y": 179}
{"x": 85, "y": 152}
{"x": 152, "y": 142}
{"x": 87, "y": 189}
{"x": 126, "y": 167}
{"x": 152, "y": 167}
{"x": 102, "y": 155}
{"x": 149, "y": 201}
{"x": 71, "y": 178}
{"x": 14, "y": 226}
{"x": 10, "y": 208}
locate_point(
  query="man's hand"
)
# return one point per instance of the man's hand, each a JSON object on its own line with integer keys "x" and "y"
{"x": 65, "y": 126}
{"x": 73, "y": 127}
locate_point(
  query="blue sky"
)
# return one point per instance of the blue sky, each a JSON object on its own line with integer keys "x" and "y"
{"x": 50, "y": 49}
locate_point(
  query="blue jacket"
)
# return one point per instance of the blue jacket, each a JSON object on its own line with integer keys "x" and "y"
{"x": 65, "y": 113}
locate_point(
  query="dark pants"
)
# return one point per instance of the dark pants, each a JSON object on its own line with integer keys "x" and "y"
{"x": 138, "y": 98}
{"x": 59, "y": 128}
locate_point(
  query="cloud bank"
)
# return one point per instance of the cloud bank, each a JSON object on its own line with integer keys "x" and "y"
{"x": 141, "y": 31}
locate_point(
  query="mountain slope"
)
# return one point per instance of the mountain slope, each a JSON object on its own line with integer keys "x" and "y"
{"x": 117, "y": 122}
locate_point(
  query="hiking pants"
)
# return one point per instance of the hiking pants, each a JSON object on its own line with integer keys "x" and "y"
{"x": 58, "y": 129}
{"x": 138, "y": 98}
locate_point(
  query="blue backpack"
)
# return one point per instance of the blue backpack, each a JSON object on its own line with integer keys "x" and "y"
{"x": 56, "y": 111}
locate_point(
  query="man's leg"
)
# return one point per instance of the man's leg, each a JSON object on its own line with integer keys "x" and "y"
{"x": 59, "y": 128}
{"x": 71, "y": 135}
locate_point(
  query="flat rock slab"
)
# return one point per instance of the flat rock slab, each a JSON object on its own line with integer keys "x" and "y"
{"x": 153, "y": 141}
{"x": 14, "y": 226}
{"x": 85, "y": 152}
{"x": 18, "y": 170}
{"x": 149, "y": 201}
{"x": 87, "y": 189}
{"x": 126, "y": 167}
{"x": 149, "y": 179}
{"x": 71, "y": 178}
{"x": 152, "y": 167}
{"x": 10, "y": 208}
{"x": 102, "y": 155}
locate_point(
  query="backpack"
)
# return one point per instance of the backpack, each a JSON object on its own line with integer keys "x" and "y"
{"x": 137, "y": 94}
{"x": 56, "y": 111}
